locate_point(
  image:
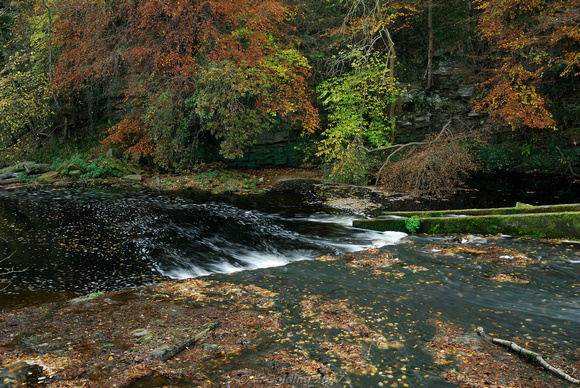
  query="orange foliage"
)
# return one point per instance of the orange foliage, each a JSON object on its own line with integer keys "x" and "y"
{"x": 513, "y": 98}
{"x": 529, "y": 38}
{"x": 141, "y": 50}
{"x": 131, "y": 130}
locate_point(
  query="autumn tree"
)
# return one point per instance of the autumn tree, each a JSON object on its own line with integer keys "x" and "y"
{"x": 535, "y": 43}
{"x": 361, "y": 93}
{"x": 7, "y": 22}
{"x": 25, "y": 108}
{"x": 185, "y": 70}
{"x": 361, "y": 103}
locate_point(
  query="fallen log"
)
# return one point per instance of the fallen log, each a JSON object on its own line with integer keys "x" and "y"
{"x": 8, "y": 181}
{"x": 528, "y": 354}
{"x": 175, "y": 351}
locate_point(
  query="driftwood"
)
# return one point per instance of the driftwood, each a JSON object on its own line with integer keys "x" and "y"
{"x": 175, "y": 351}
{"x": 11, "y": 174}
{"x": 528, "y": 354}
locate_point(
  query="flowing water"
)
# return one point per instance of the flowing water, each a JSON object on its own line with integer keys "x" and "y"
{"x": 65, "y": 242}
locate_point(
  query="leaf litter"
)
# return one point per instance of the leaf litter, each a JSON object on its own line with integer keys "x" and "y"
{"x": 275, "y": 333}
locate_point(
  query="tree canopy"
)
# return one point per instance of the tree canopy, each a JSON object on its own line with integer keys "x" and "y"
{"x": 169, "y": 80}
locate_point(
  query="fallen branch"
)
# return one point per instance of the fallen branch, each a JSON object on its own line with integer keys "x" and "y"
{"x": 174, "y": 352}
{"x": 529, "y": 355}
{"x": 567, "y": 161}
{"x": 8, "y": 271}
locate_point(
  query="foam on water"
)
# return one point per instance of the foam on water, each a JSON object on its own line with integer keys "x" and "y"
{"x": 381, "y": 239}
{"x": 181, "y": 273}
{"x": 104, "y": 239}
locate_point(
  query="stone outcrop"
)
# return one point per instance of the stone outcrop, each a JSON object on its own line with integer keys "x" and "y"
{"x": 420, "y": 112}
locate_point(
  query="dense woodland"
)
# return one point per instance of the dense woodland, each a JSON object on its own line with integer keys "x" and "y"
{"x": 173, "y": 84}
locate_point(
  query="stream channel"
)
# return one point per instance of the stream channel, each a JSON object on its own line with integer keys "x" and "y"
{"x": 71, "y": 241}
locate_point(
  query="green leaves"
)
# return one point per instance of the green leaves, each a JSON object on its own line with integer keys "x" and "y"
{"x": 358, "y": 104}
{"x": 24, "y": 107}
{"x": 412, "y": 224}
{"x": 237, "y": 101}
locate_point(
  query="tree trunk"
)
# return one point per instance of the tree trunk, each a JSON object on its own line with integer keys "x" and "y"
{"x": 430, "y": 51}
{"x": 49, "y": 33}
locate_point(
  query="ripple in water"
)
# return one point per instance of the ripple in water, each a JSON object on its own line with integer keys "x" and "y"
{"x": 85, "y": 240}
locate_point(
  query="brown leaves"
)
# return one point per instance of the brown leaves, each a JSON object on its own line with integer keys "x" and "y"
{"x": 513, "y": 98}
{"x": 473, "y": 362}
{"x": 373, "y": 258}
{"x": 532, "y": 40}
{"x": 182, "y": 68}
{"x": 439, "y": 164}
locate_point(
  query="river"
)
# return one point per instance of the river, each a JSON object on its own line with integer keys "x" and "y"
{"x": 65, "y": 242}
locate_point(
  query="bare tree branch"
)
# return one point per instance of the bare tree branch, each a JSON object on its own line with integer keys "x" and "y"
{"x": 529, "y": 355}
{"x": 9, "y": 270}
{"x": 439, "y": 163}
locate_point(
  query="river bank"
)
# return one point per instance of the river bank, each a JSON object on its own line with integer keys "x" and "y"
{"x": 214, "y": 178}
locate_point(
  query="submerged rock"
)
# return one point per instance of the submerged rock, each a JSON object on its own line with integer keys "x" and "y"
{"x": 21, "y": 374}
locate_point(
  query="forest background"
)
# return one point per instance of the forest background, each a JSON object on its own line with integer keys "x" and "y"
{"x": 414, "y": 94}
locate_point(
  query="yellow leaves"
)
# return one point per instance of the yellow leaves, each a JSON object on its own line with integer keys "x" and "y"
{"x": 24, "y": 108}
{"x": 508, "y": 278}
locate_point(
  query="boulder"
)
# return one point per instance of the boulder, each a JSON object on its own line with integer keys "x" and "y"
{"x": 49, "y": 177}
{"x": 466, "y": 91}
{"x": 133, "y": 178}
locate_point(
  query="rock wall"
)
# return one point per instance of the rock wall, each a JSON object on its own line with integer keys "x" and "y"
{"x": 421, "y": 112}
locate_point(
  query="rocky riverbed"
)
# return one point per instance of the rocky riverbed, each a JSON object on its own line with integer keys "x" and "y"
{"x": 262, "y": 329}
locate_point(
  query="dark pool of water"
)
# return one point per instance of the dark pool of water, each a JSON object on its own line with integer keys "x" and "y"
{"x": 70, "y": 241}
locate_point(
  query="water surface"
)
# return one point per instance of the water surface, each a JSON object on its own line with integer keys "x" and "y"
{"x": 65, "y": 242}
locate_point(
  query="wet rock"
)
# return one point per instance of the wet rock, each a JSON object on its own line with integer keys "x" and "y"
{"x": 49, "y": 177}
{"x": 21, "y": 374}
{"x": 74, "y": 173}
{"x": 210, "y": 347}
{"x": 160, "y": 351}
{"x": 140, "y": 333}
{"x": 470, "y": 239}
{"x": 86, "y": 298}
